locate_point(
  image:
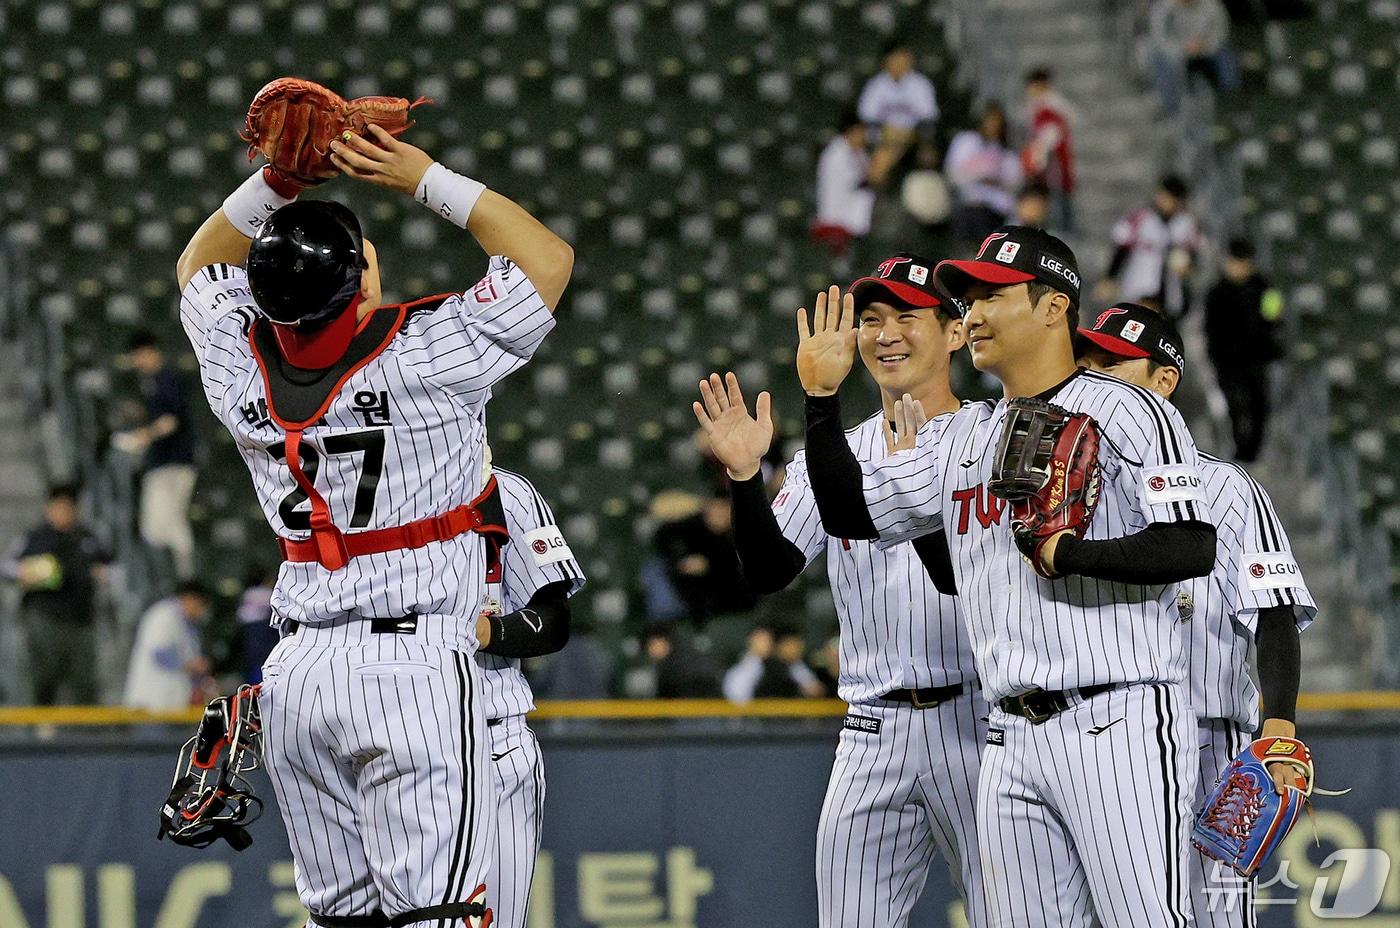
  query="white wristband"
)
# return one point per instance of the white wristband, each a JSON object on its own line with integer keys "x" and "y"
{"x": 449, "y": 194}
{"x": 248, "y": 207}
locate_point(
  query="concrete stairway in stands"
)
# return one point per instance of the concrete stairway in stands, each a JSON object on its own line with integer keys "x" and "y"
{"x": 1115, "y": 143}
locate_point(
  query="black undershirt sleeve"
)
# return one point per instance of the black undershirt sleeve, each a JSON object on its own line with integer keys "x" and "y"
{"x": 937, "y": 560}
{"x": 1164, "y": 552}
{"x": 1280, "y": 661}
{"x": 769, "y": 560}
{"x": 834, "y": 472}
{"x": 540, "y": 627}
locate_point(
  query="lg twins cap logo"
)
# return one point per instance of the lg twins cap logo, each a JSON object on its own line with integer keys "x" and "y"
{"x": 887, "y": 266}
{"x": 548, "y": 546}
{"x": 1174, "y": 483}
{"x": 1271, "y": 571}
{"x": 1106, "y": 315}
{"x": 1133, "y": 330}
{"x": 994, "y": 237}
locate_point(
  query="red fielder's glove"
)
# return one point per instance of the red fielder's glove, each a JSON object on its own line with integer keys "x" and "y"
{"x": 1047, "y": 467}
{"x": 293, "y": 121}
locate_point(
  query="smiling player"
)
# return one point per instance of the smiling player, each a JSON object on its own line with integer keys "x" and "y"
{"x": 904, "y": 781}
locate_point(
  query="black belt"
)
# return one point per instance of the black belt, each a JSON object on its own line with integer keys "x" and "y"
{"x": 492, "y": 723}
{"x": 1040, "y": 705}
{"x": 378, "y": 625}
{"x": 927, "y": 697}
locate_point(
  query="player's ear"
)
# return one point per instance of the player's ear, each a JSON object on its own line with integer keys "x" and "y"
{"x": 370, "y": 287}
{"x": 955, "y": 335}
{"x": 1165, "y": 381}
{"x": 1056, "y": 307}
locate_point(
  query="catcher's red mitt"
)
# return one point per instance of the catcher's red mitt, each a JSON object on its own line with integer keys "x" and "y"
{"x": 293, "y": 121}
{"x": 1047, "y": 468}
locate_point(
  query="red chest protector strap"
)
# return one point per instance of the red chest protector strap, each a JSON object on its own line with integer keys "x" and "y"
{"x": 328, "y": 545}
{"x": 333, "y": 548}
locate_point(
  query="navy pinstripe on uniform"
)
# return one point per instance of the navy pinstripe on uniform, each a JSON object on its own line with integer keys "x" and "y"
{"x": 904, "y": 781}
{"x": 1221, "y": 613}
{"x": 1059, "y": 803}
{"x": 535, "y": 557}
{"x": 377, "y": 742}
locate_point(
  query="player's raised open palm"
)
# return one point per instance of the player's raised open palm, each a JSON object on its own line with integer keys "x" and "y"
{"x": 738, "y": 439}
{"x": 827, "y": 349}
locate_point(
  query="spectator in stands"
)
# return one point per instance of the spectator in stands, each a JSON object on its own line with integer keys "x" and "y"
{"x": 673, "y": 670}
{"x": 985, "y": 174}
{"x": 828, "y": 666}
{"x": 1155, "y": 253}
{"x": 741, "y": 680}
{"x": 898, "y": 97}
{"x": 1047, "y": 158}
{"x": 168, "y": 669}
{"x": 1032, "y": 206}
{"x": 786, "y": 674}
{"x": 256, "y": 635}
{"x": 901, "y": 103}
{"x": 702, "y": 564}
{"x": 1242, "y": 320}
{"x": 1187, "y": 42}
{"x": 167, "y": 441}
{"x": 583, "y": 670}
{"x": 58, "y": 567}
{"x": 845, "y": 200}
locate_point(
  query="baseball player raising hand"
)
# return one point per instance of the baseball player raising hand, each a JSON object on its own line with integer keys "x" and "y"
{"x": 1254, "y": 593}
{"x": 362, "y": 426}
{"x": 1084, "y": 800}
{"x": 903, "y": 785}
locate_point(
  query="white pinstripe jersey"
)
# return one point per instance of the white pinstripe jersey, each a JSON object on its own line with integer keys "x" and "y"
{"x": 536, "y": 556}
{"x": 401, "y": 441}
{"x": 1254, "y": 570}
{"x": 1026, "y": 631}
{"x": 897, "y": 630}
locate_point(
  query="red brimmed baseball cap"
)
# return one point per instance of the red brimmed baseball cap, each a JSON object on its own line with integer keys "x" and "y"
{"x": 1013, "y": 255}
{"x": 1131, "y": 330}
{"x": 901, "y": 280}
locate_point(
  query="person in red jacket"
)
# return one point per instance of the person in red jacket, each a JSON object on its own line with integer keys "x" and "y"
{"x": 1048, "y": 155}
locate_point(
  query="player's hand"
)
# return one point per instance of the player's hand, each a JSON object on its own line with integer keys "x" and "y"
{"x": 1047, "y": 553}
{"x": 381, "y": 160}
{"x": 908, "y": 419}
{"x": 826, "y": 350}
{"x": 1283, "y": 774}
{"x": 738, "y": 439}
